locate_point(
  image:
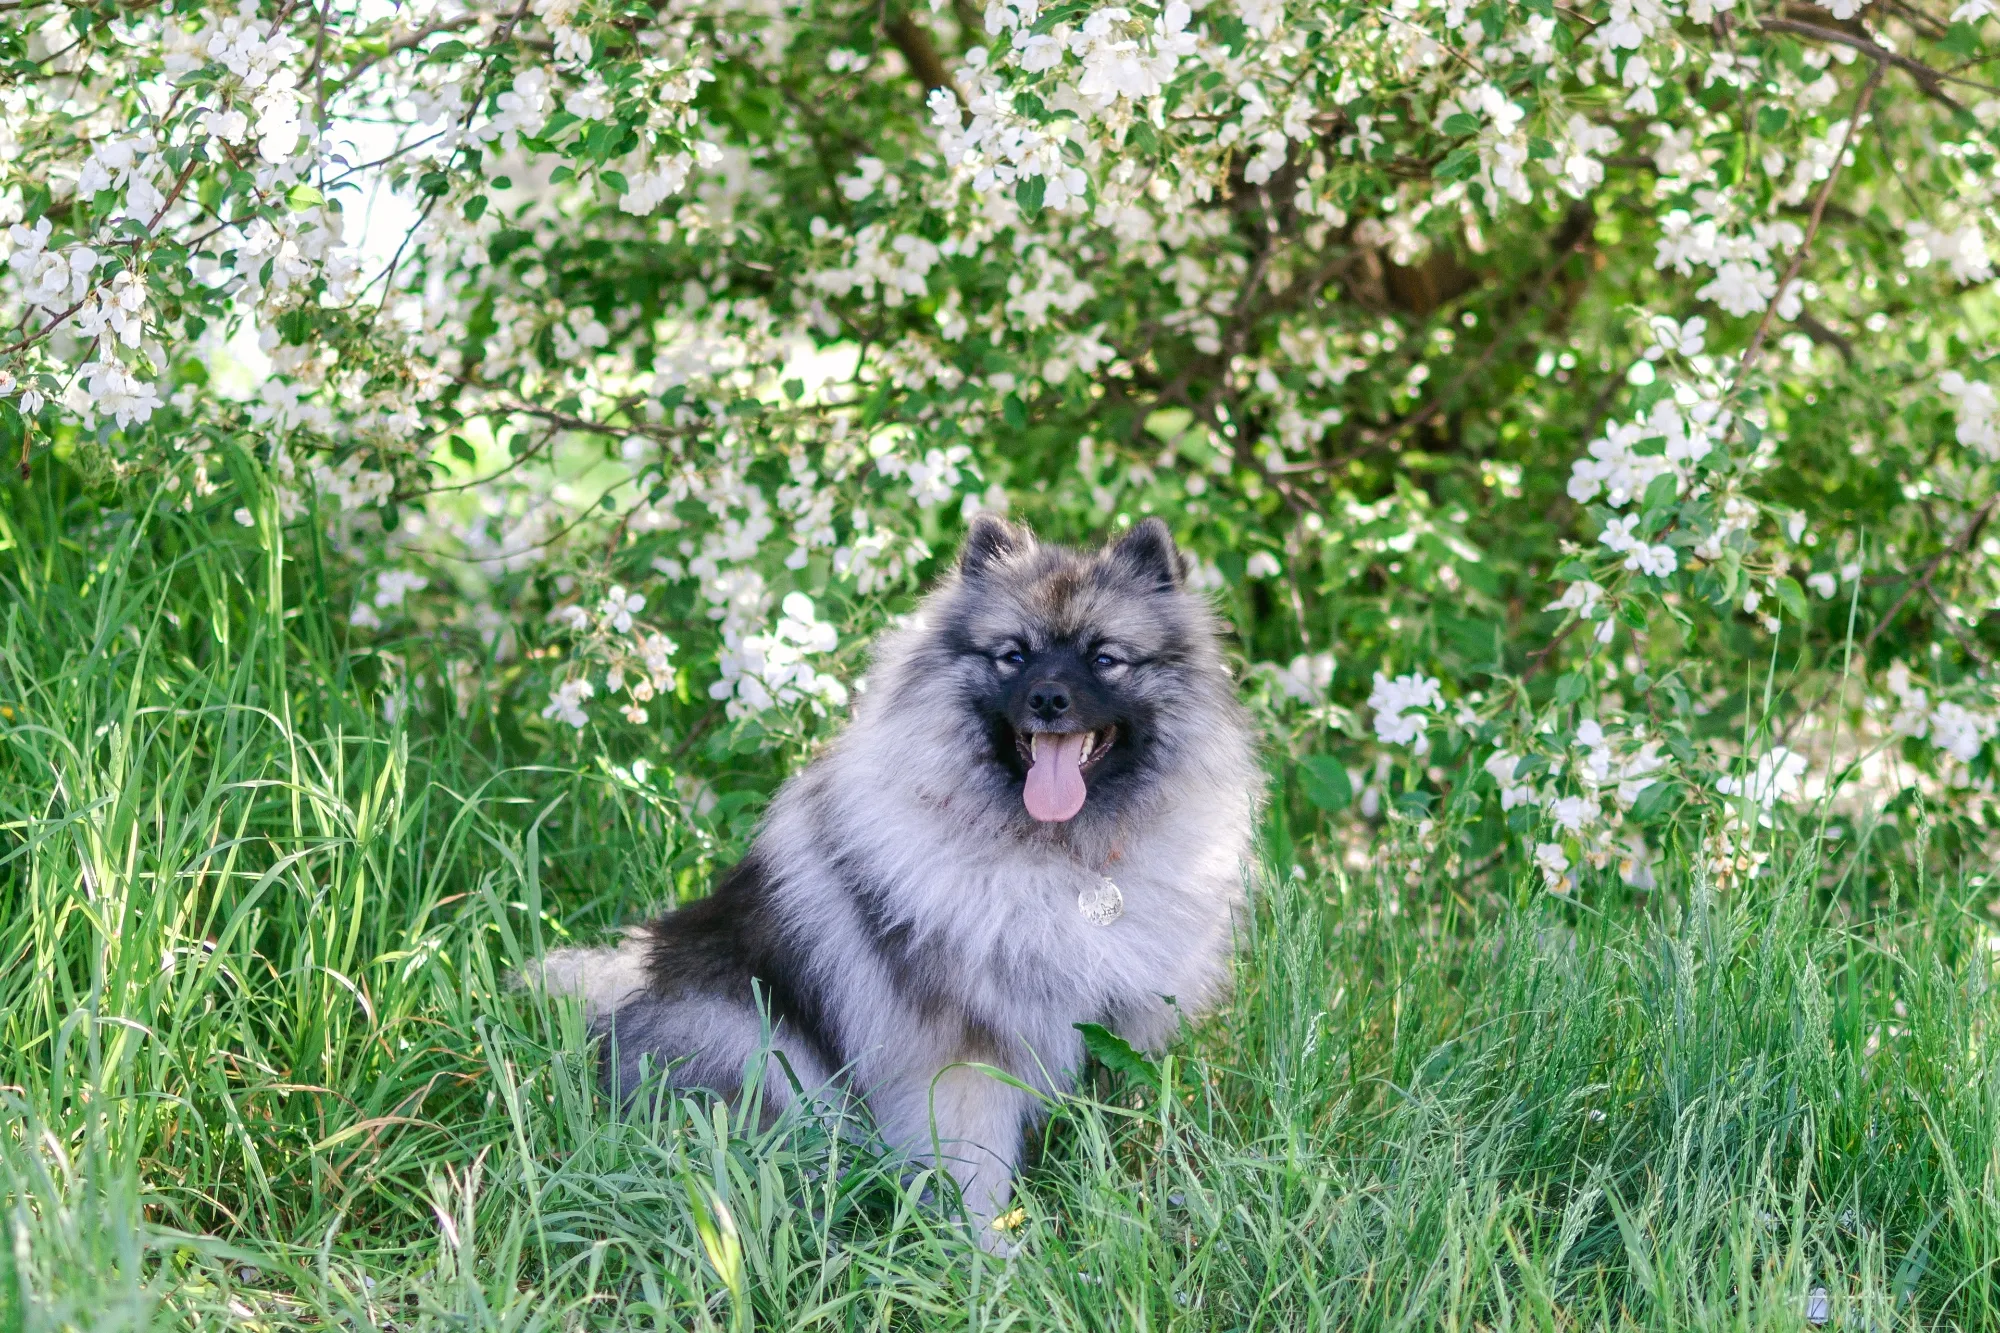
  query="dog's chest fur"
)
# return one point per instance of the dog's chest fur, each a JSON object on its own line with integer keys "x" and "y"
{"x": 973, "y": 936}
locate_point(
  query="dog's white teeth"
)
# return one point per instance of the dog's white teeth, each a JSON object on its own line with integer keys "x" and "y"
{"x": 1089, "y": 743}
{"x": 1035, "y": 747}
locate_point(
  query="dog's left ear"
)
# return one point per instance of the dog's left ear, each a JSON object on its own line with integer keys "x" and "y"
{"x": 991, "y": 538}
{"x": 1149, "y": 552}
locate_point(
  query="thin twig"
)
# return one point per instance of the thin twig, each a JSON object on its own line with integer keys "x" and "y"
{"x": 1962, "y": 544}
{"x": 1972, "y": 646}
{"x": 1812, "y": 225}
{"x": 1540, "y": 657}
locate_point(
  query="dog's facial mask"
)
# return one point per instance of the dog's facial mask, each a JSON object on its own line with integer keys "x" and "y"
{"x": 1076, "y": 651}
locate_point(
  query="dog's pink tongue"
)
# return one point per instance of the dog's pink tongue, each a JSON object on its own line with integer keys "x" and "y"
{"x": 1055, "y": 784}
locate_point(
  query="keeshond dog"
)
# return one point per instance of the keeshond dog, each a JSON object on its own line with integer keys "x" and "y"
{"x": 1038, "y": 817}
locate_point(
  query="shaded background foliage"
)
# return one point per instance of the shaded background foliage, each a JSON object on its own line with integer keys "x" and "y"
{"x": 706, "y": 306}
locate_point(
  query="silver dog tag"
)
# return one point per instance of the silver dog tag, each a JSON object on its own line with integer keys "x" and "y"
{"x": 1101, "y": 903}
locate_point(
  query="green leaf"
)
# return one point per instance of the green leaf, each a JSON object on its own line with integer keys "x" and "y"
{"x": 1570, "y": 687}
{"x": 1541, "y": 149}
{"x": 475, "y": 208}
{"x": 1793, "y": 597}
{"x": 561, "y": 174}
{"x": 1028, "y": 192}
{"x": 1652, "y": 802}
{"x": 450, "y": 50}
{"x": 616, "y": 180}
{"x": 1116, "y": 1054}
{"x": 1771, "y": 121}
{"x": 1459, "y": 124}
{"x": 1645, "y": 396}
{"x": 1458, "y": 164}
{"x": 1662, "y": 491}
{"x": 1962, "y": 39}
{"x": 460, "y": 449}
{"x": 1738, "y": 159}
{"x": 506, "y": 242}
{"x": 302, "y": 196}
{"x": 1325, "y": 782}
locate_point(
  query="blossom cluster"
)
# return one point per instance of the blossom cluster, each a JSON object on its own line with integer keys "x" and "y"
{"x": 1958, "y": 729}
{"x": 1585, "y": 792}
{"x": 620, "y": 356}
{"x": 760, "y": 671}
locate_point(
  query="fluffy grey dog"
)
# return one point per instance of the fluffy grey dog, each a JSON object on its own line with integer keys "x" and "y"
{"x": 1038, "y": 817}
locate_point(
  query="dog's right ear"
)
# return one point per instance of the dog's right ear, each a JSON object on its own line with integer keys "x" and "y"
{"x": 991, "y": 538}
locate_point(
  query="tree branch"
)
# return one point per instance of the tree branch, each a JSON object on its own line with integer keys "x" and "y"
{"x": 1930, "y": 80}
{"x": 920, "y": 53}
{"x": 1812, "y": 225}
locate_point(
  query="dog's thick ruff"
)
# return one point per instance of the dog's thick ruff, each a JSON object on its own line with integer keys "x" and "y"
{"x": 903, "y": 917}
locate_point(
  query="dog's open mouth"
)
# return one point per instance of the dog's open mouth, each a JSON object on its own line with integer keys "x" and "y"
{"x": 1057, "y": 761}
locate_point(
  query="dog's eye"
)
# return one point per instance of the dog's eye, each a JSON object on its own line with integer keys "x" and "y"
{"x": 1012, "y": 657}
{"x": 1104, "y": 661}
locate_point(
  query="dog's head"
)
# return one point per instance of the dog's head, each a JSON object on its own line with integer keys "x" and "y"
{"x": 1066, "y": 684}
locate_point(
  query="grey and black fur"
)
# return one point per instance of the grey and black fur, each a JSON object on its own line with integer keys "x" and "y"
{"x": 901, "y": 917}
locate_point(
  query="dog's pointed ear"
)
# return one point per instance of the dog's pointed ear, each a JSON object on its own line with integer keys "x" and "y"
{"x": 1149, "y": 552}
{"x": 990, "y": 539}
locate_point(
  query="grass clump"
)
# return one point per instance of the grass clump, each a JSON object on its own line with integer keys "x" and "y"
{"x": 262, "y": 1064}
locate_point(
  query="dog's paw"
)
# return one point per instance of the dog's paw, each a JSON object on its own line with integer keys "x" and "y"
{"x": 997, "y": 1243}
{"x": 1001, "y": 1236}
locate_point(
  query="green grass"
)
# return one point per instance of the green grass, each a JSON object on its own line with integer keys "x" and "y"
{"x": 262, "y": 1063}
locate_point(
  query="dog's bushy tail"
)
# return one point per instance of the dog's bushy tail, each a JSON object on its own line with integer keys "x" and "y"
{"x": 603, "y": 978}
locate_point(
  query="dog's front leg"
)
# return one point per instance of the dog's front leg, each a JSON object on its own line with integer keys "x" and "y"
{"x": 969, "y": 1122}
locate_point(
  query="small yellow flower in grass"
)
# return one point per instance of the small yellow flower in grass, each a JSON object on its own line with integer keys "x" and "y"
{"x": 1011, "y": 1221}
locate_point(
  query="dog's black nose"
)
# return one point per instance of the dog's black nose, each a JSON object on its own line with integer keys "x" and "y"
{"x": 1048, "y": 700}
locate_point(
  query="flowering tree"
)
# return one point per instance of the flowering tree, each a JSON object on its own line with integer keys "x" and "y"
{"x": 1585, "y": 411}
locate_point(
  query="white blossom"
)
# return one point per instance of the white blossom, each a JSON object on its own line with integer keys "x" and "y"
{"x": 1777, "y": 776}
{"x": 1554, "y": 865}
{"x": 566, "y": 703}
{"x": 1393, "y": 702}
{"x": 1305, "y": 679}
{"x": 1978, "y": 410}
{"x": 1962, "y": 250}
{"x": 393, "y": 585}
